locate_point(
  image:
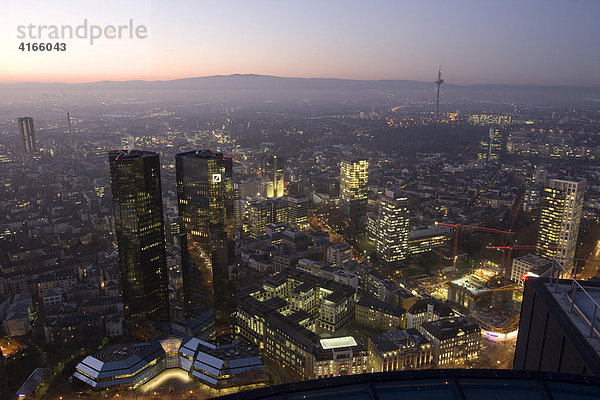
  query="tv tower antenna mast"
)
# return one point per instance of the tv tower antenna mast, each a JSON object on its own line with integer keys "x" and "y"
{"x": 437, "y": 101}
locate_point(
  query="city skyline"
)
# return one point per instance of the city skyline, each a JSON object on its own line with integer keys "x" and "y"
{"x": 275, "y": 199}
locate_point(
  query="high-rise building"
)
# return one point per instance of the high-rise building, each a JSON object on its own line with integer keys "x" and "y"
{"x": 354, "y": 177}
{"x": 261, "y": 213}
{"x": 392, "y": 227}
{"x": 207, "y": 217}
{"x": 137, "y": 203}
{"x": 533, "y": 194}
{"x": 27, "y": 134}
{"x": 560, "y": 216}
{"x": 495, "y": 144}
{"x": 297, "y": 211}
{"x": 272, "y": 176}
{"x": 491, "y": 148}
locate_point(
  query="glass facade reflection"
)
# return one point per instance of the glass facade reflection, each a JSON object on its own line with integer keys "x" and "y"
{"x": 137, "y": 203}
{"x": 206, "y": 215}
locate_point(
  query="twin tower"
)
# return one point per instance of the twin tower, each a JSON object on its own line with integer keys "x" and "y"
{"x": 206, "y": 217}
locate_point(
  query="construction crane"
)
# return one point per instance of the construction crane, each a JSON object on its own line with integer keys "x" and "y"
{"x": 507, "y": 255}
{"x": 458, "y": 227}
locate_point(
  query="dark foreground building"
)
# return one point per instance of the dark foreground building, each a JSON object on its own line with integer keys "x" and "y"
{"x": 554, "y": 333}
{"x": 137, "y": 203}
{"x": 3, "y": 379}
{"x": 435, "y": 385}
{"x": 206, "y": 215}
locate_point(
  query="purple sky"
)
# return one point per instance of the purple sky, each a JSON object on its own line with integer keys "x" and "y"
{"x": 505, "y": 42}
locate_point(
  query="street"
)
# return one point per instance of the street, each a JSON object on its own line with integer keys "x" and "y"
{"x": 495, "y": 354}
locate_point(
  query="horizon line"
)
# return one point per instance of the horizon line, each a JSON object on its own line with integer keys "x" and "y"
{"x": 286, "y": 77}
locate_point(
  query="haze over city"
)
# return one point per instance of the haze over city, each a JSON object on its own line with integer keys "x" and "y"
{"x": 257, "y": 200}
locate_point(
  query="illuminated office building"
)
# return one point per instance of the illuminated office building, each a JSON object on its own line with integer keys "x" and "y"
{"x": 354, "y": 177}
{"x": 137, "y": 203}
{"x": 272, "y": 176}
{"x": 392, "y": 227}
{"x": 399, "y": 350}
{"x": 27, "y": 134}
{"x": 490, "y": 119}
{"x": 491, "y": 148}
{"x": 495, "y": 144}
{"x": 297, "y": 211}
{"x": 261, "y": 213}
{"x": 206, "y": 217}
{"x": 559, "y": 220}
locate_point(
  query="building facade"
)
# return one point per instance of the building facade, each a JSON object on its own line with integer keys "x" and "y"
{"x": 453, "y": 340}
{"x": 354, "y": 177}
{"x": 374, "y": 313}
{"x": 138, "y": 210}
{"x": 297, "y": 211}
{"x": 392, "y": 228}
{"x": 528, "y": 264}
{"x": 562, "y": 204}
{"x": 27, "y": 134}
{"x": 399, "y": 350}
{"x": 206, "y": 216}
{"x": 272, "y": 176}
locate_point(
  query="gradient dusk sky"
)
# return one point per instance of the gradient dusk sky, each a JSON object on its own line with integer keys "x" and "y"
{"x": 540, "y": 42}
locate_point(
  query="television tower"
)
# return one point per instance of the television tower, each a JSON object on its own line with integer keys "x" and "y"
{"x": 438, "y": 83}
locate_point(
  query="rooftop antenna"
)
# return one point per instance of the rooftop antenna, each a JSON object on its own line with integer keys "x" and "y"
{"x": 438, "y": 83}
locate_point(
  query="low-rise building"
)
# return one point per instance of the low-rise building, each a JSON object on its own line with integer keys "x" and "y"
{"x": 113, "y": 325}
{"x": 426, "y": 310}
{"x": 399, "y": 350}
{"x": 338, "y": 357}
{"x": 52, "y": 297}
{"x": 338, "y": 254}
{"x": 529, "y": 264}
{"x": 430, "y": 238}
{"x": 374, "y": 313}
{"x": 454, "y": 340}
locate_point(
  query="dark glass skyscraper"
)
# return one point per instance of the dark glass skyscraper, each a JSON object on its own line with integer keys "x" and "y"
{"x": 137, "y": 202}
{"x": 27, "y": 134}
{"x": 206, "y": 217}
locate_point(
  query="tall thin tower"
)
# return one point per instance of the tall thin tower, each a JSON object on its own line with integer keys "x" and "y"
{"x": 438, "y": 83}
{"x": 69, "y": 131}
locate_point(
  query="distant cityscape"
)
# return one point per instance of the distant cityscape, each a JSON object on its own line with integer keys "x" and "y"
{"x": 178, "y": 249}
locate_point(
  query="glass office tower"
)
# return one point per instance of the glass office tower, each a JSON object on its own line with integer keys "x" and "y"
{"x": 206, "y": 215}
{"x": 137, "y": 203}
